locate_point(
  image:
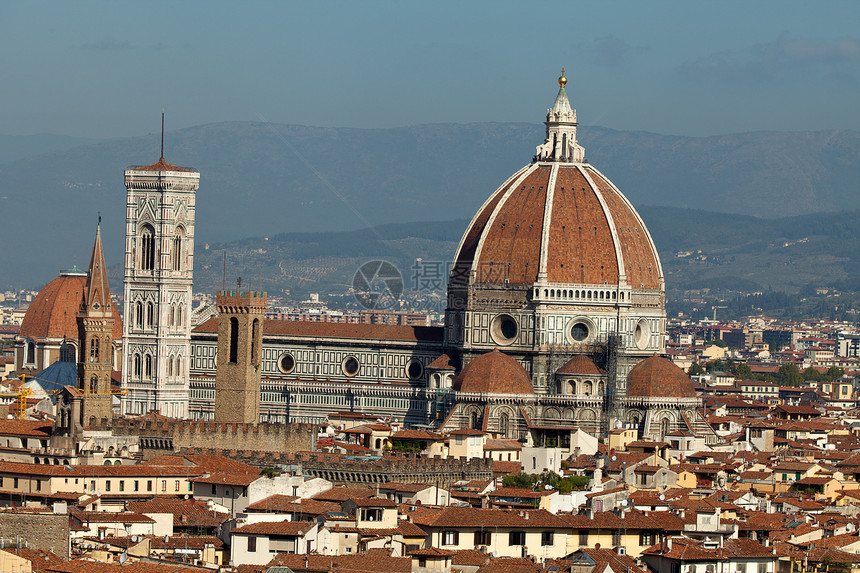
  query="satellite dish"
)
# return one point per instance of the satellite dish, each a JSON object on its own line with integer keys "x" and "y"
{"x": 186, "y": 496}
{"x": 123, "y": 558}
{"x": 623, "y": 503}
{"x": 614, "y": 458}
{"x": 495, "y": 553}
{"x": 597, "y": 546}
{"x": 662, "y": 496}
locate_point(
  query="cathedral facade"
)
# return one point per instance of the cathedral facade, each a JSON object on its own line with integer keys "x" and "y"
{"x": 555, "y": 320}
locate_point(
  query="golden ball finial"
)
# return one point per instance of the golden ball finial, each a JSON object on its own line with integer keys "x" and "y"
{"x": 562, "y": 81}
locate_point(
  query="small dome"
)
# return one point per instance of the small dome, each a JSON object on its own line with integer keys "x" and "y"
{"x": 581, "y": 364}
{"x": 659, "y": 377}
{"x": 494, "y": 372}
{"x": 53, "y": 312}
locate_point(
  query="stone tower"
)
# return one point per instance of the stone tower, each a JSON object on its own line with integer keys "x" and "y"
{"x": 159, "y": 260}
{"x": 95, "y": 336}
{"x": 240, "y": 346}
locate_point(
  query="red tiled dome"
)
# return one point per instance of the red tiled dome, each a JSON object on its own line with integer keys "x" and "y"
{"x": 494, "y": 372}
{"x": 581, "y": 364}
{"x": 593, "y": 233}
{"x": 658, "y": 377}
{"x": 558, "y": 221}
{"x": 53, "y": 312}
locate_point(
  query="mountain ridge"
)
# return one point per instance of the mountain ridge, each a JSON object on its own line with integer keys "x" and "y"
{"x": 263, "y": 179}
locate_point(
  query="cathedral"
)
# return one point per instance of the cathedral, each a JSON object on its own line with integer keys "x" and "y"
{"x": 555, "y": 320}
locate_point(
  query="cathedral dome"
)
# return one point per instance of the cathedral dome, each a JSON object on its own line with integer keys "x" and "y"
{"x": 580, "y": 365}
{"x": 558, "y": 221}
{"x": 494, "y": 372}
{"x": 658, "y": 377}
{"x": 53, "y": 312}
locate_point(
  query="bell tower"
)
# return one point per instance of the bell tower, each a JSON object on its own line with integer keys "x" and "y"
{"x": 95, "y": 335}
{"x": 240, "y": 347}
{"x": 159, "y": 262}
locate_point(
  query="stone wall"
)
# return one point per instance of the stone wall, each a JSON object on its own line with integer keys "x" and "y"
{"x": 367, "y": 471}
{"x": 157, "y": 437}
{"x": 38, "y": 530}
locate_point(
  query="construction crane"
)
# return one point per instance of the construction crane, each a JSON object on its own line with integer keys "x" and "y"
{"x": 21, "y": 394}
{"x": 715, "y": 311}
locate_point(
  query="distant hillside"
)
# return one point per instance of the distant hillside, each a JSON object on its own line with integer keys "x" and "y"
{"x": 727, "y": 254}
{"x": 265, "y": 179}
{"x": 15, "y": 147}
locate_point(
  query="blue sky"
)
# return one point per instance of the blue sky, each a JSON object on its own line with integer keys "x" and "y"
{"x": 107, "y": 69}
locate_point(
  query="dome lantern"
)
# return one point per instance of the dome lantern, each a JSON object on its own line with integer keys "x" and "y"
{"x": 560, "y": 144}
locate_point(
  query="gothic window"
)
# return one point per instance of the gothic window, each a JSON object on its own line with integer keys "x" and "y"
{"x": 30, "y": 355}
{"x": 147, "y": 248}
{"x": 473, "y": 418}
{"x": 138, "y": 314}
{"x": 664, "y": 427}
{"x": 150, "y": 314}
{"x": 170, "y": 366}
{"x": 255, "y": 333}
{"x": 136, "y": 368}
{"x": 94, "y": 350}
{"x": 179, "y": 314}
{"x": 234, "y": 340}
{"x": 147, "y": 370}
{"x": 177, "y": 250}
{"x": 93, "y": 384}
{"x": 503, "y": 425}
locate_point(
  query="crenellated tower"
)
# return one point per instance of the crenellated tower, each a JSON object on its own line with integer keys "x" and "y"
{"x": 240, "y": 345}
{"x": 159, "y": 262}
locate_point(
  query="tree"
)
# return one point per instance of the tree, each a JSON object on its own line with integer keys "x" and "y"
{"x": 834, "y": 373}
{"x": 811, "y": 374}
{"x": 695, "y": 369}
{"x": 789, "y": 375}
{"x": 743, "y": 371}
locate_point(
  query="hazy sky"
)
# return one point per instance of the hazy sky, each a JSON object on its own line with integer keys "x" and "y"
{"x": 107, "y": 69}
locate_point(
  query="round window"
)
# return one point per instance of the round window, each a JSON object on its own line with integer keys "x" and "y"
{"x": 286, "y": 363}
{"x": 579, "y": 331}
{"x": 350, "y": 366}
{"x": 414, "y": 369}
{"x": 504, "y": 329}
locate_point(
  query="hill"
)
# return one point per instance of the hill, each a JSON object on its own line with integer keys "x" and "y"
{"x": 263, "y": 180}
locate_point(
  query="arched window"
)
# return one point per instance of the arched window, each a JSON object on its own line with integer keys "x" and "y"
{"x": 94, "y": 350}
{"x": 255, "y": 333}
{"x": 234, "y": 340}
{"x": 138, "y": 314}
{"x": 147, "y": 370}
{"x": 664, "y": 427}
{"x": 147, "y": 248}
{"x": 473, "y": 418}
{"x": 30, "y": 355}
{"x": 67, "y": 352}
{"x": 94, "y": 384}
{"x": 150, "y": 314}
{"x": 177, "y": 250}
{"x": 170, "y": 366}
{"x": 503, "y": 424}
{"x": 136, "y": 367}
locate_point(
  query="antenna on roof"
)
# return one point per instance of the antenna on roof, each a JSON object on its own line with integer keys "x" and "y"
{"x": 162, "y": 135}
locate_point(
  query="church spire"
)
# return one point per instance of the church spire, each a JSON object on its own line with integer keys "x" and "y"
{"x": 560, "y": 144}
{"x": 96, "y": 290}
